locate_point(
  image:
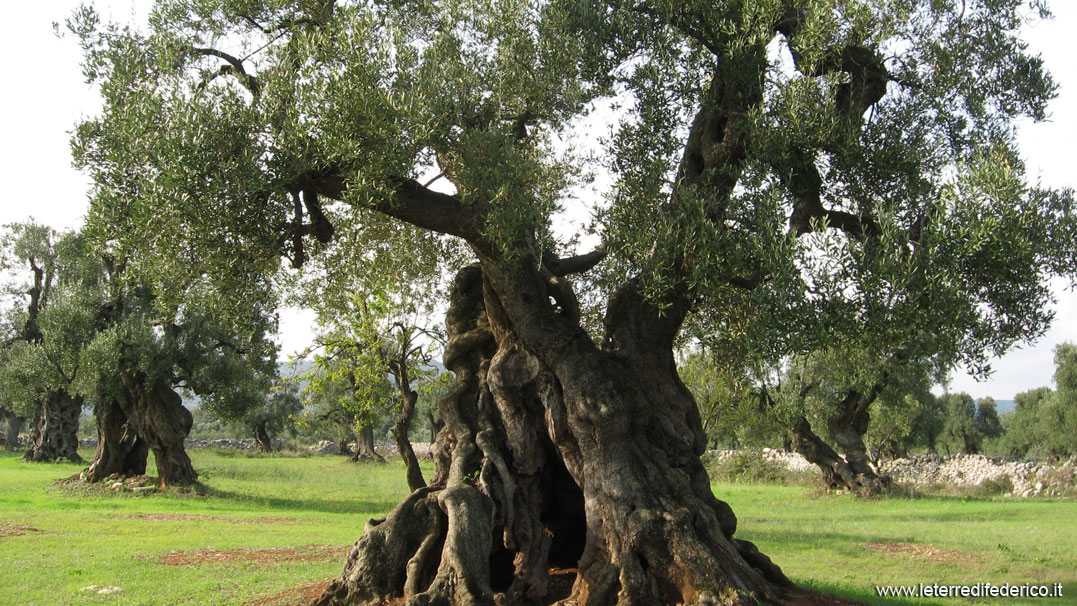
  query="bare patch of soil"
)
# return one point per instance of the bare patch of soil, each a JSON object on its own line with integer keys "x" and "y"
{"x": 300, "y": 595}
{"x": 309, "y": 553}
{"x": 194, "y": 517}
{"x": 15, "y": 530}
{"x": 925, "y": 552}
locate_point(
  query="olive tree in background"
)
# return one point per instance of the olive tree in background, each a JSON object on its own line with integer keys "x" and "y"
{"x": 136, "y": 365}
{"x": 1043, "y": 423}
{"x": 804, "y": 160}
{"x": 276, "y": 414}
{"x": 967, "y": 422}
{"x": 36, "y": 373}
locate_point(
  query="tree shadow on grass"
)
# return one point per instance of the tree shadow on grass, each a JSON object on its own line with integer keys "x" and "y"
{"x": 867, "y": 595}
{"x": 372, "y": 506}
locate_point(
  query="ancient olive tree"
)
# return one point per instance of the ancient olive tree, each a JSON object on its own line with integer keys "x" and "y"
{"x": 36, "y": 374}
{"x": 774, "y": 154}
{"x": 101, "y": 339}
{"x": 841, "y": 390}
{"x": 147, "y": 351}
{"x": 967, "y": 422}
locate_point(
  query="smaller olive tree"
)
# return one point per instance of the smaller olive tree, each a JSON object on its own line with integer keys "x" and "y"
{"x": 275, "y": 415}
{"x": 1044, "y": 421}
{"x": 969, "y": 422}
{"x": 43, "y": 323}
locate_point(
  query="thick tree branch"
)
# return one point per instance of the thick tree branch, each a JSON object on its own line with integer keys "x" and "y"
{"x": 411, "y": 202}
{"x": 233, "y": 68}
{"x": 574, "y": 265}
{"x": 802, "y": 178}
{"x": 867, "y": 72}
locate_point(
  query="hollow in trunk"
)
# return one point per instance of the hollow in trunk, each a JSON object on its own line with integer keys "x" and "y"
{"x": 120, "y": 450}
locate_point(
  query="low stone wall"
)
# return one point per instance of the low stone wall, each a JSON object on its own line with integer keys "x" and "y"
{"x": 790, "y": 460}
{"x": 387, "y": 450}
{"x": 1027, "y": 478}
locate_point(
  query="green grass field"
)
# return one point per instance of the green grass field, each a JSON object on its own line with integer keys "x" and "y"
{"x": 271, "y": 524}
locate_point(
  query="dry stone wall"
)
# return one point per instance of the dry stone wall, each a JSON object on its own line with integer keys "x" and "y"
{"x": 1027, "y": 479}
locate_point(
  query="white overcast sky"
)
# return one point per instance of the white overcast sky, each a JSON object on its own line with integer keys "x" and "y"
{"x": 45, "y": 94}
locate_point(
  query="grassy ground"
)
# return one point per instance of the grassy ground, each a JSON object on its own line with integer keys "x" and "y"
{"x": 844, "y": 545}
{"x": 275, "y": 523}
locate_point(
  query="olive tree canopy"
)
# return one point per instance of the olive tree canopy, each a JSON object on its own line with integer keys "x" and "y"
{"x": 831, "y": 167}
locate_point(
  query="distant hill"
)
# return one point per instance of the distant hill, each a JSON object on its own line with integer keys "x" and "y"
{"x": 1004, "y": 406}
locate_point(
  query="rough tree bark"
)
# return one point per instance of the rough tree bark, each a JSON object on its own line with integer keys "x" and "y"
{"x": 119, "y": 448}
{"x": 408, "y": 398}
{"x": 364, "y": 445}
{"x": 631, "y": 436}
{"x": 852, "y": 469}
{"x": 499, "y": 509}
{"x": 14, "y": 425}
{"x": 156, "y": 413}
{"x": 836, "y": 471}
{"x": 526, "y": 429}
{"x": 261, "y": 435}
{"x": 54, "y": 433}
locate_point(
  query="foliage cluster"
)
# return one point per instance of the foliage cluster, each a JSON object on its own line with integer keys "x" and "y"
{"x": 1044, "y": 421}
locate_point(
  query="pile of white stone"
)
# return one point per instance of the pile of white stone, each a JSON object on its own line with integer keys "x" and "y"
{"x": 789, "y": 460}
{"x": 1028, "y": 478}
{"x": 244, "y": 444}
{"x": 387, "y": 450}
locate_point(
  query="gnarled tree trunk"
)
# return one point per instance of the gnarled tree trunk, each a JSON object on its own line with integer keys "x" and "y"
{"x": 499, "y": 508}
{"x": 119, "y": 448}
{"x": 846, "y": 428}
{"x": 852, "y": 472}
{"x": 557, "y": 453}
{"x": 14, "y": 425}
{"x": 261, "y": 435}
{"x": 408, "y": 398}
{"x": 157, "y": 414}
{"x": 54, "y": 434}
{"x": 364, "y": 445}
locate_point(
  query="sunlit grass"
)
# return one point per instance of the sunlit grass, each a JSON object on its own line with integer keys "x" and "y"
{"x": 114, "y": 540}
{"x": 845, "y": 545}
{"x": 824, "y": 541}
